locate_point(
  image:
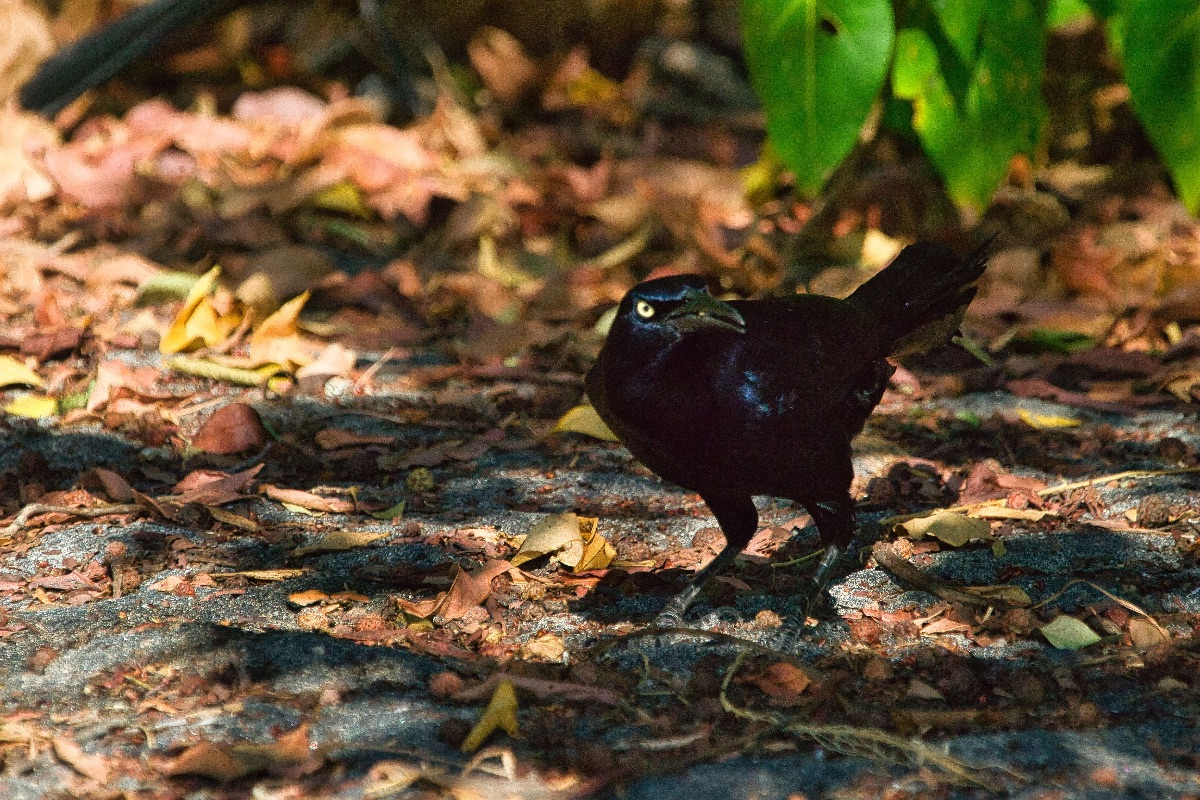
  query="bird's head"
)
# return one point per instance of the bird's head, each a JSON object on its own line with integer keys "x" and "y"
{"x": 677, "y": 304}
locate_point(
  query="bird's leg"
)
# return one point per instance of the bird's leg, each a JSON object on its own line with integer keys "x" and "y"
{"x": 672, "y": 614}
{"x": 835, "y": 524}
{"x": 738, "y": 519}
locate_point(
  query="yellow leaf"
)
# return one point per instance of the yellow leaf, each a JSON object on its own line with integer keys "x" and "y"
{"x": 584, "y": 419}
{"x": 239, "y": 376}
{"x": 597, "y": 552}
{"x": 500, "y": 713}
{"x": 183, "y": 333}
{"x": 14, "y": 373}
{"x": 1013, "y": 595}
{"x": 1046, "y": 421}
{"x": 277, "y": 338}
{"x": 339, "y": 540}
{"x": 949, "y": 527}
{"x": 283, "y": 321}
{"x": 342, "y": 196}
{"x": 263, "y": 574}
{"x": 548, "y": 535}
{"x": 1004, "y": 512}
{"x": 32, "y": 407}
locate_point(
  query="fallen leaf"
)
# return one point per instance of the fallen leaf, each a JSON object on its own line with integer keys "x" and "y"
{"x": 921, "y": 690}
{"x": 198, "y": 323}
{"x": 214, "y": 488}
{"x": 272, "y": 575}
{"x": 337, "y": 438}
{"x": 307, "y": 597}
{"x": 467, "y": 590}
{"x": 584, "y": 419}
{"x": 548, "y": 535}
{"x": 277, "y": 339}
{"x": 1068, "y": 633}
{"x": 15, "y": 373}
{"x": 225, "y": 762}
{"x": 1144, "y": 634}
{"x": 1006, "y": 593}
{"x": 783, "y": 682}
{"x": 501, "y": 712}
{"x": 949, "y": 527}
{"x": 232, "y": 428}
{"x": 339, "y": 540}
{"x": 394, "y": 513}
{"x": 89, "y": 766}
{"x": 32, "y": 406}
{"x": 1046, "y": 421}
{"x": 545, "y": 646}
{"x": 308, "y": 501}
{"x": 1004, "y": 512}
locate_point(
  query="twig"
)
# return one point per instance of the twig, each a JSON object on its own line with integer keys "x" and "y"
{"x": 91, "y": 512}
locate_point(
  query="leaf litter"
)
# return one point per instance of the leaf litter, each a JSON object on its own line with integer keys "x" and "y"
{"x": 494, "y": 249}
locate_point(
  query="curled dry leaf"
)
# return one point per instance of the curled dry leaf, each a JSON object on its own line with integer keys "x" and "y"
{"x": 15, "y": 373}
{"x": 299, "y": 499}
{"x": 233, "y": 428}
{"x": 198, "y": 323}
{"x": 89, "y": 766}
{"x": 570, "y": 539}
{"x": 783, "y": 682}
{"x": 225, "y": 762}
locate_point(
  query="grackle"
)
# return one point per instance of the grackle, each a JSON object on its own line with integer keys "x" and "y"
{"x": 762, "y": 397}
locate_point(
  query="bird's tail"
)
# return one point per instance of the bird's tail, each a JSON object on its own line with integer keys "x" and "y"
{"x": 919, "y": 299}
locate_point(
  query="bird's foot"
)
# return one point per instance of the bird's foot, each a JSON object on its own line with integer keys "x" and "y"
{"x": 668, "y": 619}
{"x": 672, "y": 614}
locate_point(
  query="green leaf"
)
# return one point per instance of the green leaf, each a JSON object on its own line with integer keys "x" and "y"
{"x": 1068, "y": 633}
{"x": 975, "y": 81}
{"x": 1162, "y": 68}
{"x": 1062, "y": 13}
{"x": 818, "y": 66}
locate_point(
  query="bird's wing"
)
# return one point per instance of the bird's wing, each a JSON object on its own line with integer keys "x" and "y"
{"x": 805, "y": 355}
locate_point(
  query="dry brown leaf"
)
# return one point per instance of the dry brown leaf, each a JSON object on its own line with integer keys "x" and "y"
{"x": 467, "y": 590}
{"x": 297, "y": 498}
{"x": 783, "y": 681}
{"x": 232, "y": 428}
{"x": 211, "y": 487}
{"x": 307, "y": 597}
{"x": 1144, "y": 633}
{"x": 226, "y": 762}
{"x": 277, "y": 339}
{"x": 89, "y": 766}
{"x": 544, "y": 647}
{"x": 339, "y": 540}
{"x": 337, "y": 438}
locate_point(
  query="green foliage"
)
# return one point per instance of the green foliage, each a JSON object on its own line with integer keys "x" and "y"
{"x": 974, "y": 78}
{"x": 1162, "y": 68}
{"x": 818, "y": 66}
{"x": 969, "y": 74}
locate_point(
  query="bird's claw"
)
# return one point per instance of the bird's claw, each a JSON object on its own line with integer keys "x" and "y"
{"x": 668, "y": 619}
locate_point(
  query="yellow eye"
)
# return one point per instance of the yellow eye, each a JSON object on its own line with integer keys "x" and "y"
{"x": 644, "y": 309}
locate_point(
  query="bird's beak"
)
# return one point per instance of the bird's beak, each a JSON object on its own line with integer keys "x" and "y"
{"x": 703, "y": 311}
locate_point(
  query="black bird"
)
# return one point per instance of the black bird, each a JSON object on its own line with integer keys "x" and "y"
{"x": 762, "y": 397}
